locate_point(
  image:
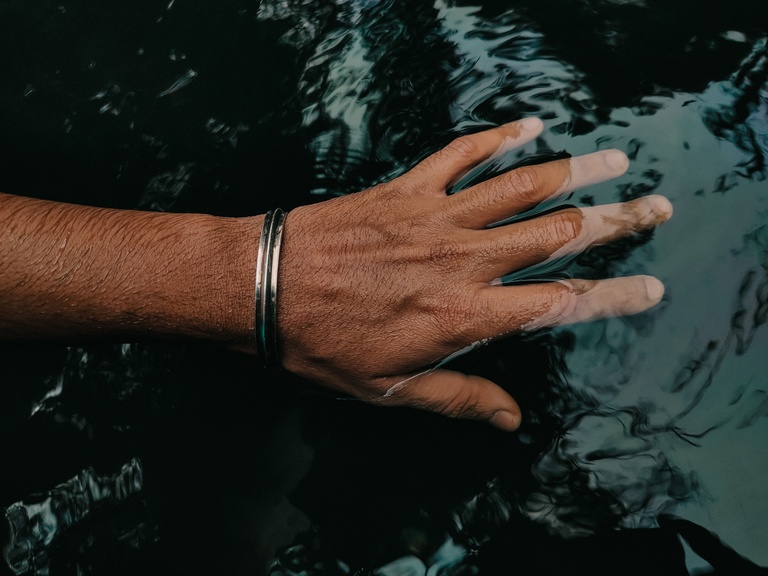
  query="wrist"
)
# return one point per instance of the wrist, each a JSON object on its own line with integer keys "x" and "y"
{"x": 228, "y": 257}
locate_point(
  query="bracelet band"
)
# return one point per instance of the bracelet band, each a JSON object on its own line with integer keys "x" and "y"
{"x": 267, "y": 263}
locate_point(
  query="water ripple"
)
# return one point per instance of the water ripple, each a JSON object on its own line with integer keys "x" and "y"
{"x": 38, "y": 523}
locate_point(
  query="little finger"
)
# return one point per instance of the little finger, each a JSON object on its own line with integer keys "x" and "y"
{"x": 529, "y": 307}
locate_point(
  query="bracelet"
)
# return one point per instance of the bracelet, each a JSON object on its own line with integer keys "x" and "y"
{"x": 267, "y": 261}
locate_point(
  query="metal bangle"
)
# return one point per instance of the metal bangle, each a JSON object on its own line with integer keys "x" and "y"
{"x": 267, "y": 264}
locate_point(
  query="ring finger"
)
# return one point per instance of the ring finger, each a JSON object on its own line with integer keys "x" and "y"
{"x": 568, "y": 231}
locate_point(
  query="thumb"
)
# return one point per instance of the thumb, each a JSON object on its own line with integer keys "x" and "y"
{"x": 459, "y": 396}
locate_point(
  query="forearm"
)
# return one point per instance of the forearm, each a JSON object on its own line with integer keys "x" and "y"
{"x": 76, "y": 273}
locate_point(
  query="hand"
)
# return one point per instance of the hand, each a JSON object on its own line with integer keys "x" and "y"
{"x": 379, "y": 286}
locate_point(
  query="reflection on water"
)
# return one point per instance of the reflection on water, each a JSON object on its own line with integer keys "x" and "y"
{"x": 641, "y": 434}
{"x": 35, "y": 526}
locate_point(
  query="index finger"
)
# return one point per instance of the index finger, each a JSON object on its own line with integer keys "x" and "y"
{"x": 446, "y": 166}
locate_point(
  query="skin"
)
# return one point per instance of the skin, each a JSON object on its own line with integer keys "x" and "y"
{"x": 375, "y": 288}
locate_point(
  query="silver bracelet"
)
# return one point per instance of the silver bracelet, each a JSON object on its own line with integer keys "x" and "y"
{"x": 267, "y": 262}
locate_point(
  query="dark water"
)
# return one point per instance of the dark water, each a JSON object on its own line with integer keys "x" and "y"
{"x": 643, "y": 449}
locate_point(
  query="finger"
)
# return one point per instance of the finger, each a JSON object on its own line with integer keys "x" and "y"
{"x": 586, "y": 300}
{"x": 448, "y": 165}
{"x": 502, "y": 310}
{"x": 523, "y": 188}
{"x": 569, "y": 231}
{"x": 459, "y": 396}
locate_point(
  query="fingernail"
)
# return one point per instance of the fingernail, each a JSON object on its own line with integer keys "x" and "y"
{"x": 616, "y": 160}
{"x": 528, "y": 125}
{"x": 654, "y": 288}
{"x": 505, "y": 421}
{"x": 531, "y": 124}
{"x": 661, "y": 206}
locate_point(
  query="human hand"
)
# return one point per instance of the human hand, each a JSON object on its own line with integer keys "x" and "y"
{"x": 377, "y": 288}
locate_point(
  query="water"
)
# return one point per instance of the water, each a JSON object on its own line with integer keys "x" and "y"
{"x": 644, "y": 436}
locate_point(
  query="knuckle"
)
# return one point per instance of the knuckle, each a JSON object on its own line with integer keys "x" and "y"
{"x": 527, "y": 184}
{"x": 565, "y": 225}
{"x": 447, "y": 254}
{"x": 562, "y": 305}
{"x": 465, "y": 403}
{"x": 454, "y": 318}
{"x": 463, "y": 147}
{"x": 496, "y": 194}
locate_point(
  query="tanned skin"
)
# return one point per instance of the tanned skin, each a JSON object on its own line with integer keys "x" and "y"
{"x": 375, "y": 288}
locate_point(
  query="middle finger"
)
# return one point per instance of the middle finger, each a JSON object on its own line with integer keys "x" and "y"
{"x": 523, "y": 188}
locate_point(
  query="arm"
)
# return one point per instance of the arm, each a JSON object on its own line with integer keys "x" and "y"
{"x": 73, "y": 273}
{"x": 374, "y": 287}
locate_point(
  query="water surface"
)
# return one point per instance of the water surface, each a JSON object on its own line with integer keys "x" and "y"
{"x": 644, "y": 437}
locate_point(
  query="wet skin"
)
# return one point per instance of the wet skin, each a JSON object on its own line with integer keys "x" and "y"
{"x": 404, "y": 275}
{"x": 375, "y": 288}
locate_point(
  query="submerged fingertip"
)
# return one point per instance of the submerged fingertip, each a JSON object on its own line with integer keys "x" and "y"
{"x": 654, "y": 288}
{"x": 524, "y": 130}
{"x": 617, "y": 160}
{"x": 531, "y": 124}
{"x": 661, "y": 206}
